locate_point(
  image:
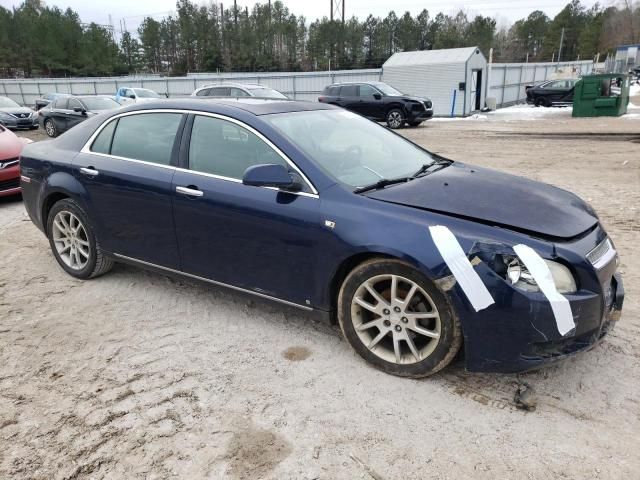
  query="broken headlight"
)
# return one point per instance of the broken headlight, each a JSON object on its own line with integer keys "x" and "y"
{"x": 518, "y": 275}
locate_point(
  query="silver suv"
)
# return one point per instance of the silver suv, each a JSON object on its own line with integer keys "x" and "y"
{"x": 235, "y": 90}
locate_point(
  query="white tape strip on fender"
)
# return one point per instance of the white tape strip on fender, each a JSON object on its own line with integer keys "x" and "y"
{"x": 462, "y": 270}
{"x": 540, "y": 272}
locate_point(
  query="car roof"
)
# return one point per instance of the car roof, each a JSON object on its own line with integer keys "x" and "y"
{"x": 256, "y": 106}
{"x": 233, "y": 84}
{"x": 357, "y": 83}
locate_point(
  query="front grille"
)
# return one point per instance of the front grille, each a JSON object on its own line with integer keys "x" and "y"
{"x": 9, "y": 184}
{"x": 10, "y": 162}
{"x": 602, "y": 254}
{"x": 21, "y": 115}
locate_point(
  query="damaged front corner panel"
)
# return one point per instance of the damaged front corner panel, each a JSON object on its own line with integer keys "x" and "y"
{"x": 446, "y": 283}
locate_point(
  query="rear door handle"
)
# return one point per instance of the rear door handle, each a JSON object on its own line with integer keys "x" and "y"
{"x": 90, "y": 171}
{"x": 192, "y": 192}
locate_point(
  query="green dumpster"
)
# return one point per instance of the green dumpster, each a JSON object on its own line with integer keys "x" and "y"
{"x": 605, "y": 95}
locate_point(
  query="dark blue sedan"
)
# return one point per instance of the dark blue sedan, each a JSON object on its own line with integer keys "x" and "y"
{"x": 316, "y": 207}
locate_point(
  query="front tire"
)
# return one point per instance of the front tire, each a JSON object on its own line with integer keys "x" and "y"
{"x": 73, "y": 242}
{"x": 397, "y": 320}
{"x": 395, "y": 118}
{"x": 50, "y": 128}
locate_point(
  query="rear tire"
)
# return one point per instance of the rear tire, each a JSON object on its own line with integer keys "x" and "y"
{"x": 542, "y": 102}
{"x": 395, "y": 118}
{"x": 73, "y": 242}
{"x": 50, "y": 128}
{"x": 410, "y": 333}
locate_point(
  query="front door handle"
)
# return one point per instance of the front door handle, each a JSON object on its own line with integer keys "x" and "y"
{"x": 191, "y": 192}
{"x": 90, "y": 171}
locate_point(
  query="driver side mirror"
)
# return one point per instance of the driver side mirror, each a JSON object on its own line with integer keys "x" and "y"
{"x": 132, "y": 97}
{"x": 377, "y": 96}
{"x": 80, "y": 110}
{"x": 270, "y": 175}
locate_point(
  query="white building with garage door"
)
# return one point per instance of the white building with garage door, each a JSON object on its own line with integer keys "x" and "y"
{"x": 454, "y": 79}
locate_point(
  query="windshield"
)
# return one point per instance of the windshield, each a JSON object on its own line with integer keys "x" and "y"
{"x": 350, "y": 148}
{"x": 388, "y": 90}
{"x": 7, "y": 102}
{"x": 99, "y": 103}
{"x": 266, "y": 93}
{"x": 144, "y": 93}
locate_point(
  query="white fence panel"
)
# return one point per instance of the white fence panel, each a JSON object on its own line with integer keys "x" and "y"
{"x": 508, "y": 81}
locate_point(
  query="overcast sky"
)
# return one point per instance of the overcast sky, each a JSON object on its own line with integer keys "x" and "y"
{"x": 133, "y": 11}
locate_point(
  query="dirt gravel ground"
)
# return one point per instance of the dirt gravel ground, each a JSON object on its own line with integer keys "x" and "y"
{"x": 137, "y": 375}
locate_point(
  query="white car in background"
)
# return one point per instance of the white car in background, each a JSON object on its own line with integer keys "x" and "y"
{"x": 127, "y": 95}
{"x": 238, "y": 90}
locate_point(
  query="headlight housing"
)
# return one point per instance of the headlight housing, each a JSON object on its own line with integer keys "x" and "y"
{"x": 518, "y": 275}
{"x": 5, "y": 116}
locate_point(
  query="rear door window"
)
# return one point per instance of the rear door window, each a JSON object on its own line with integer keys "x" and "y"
{"x": 219, "y": 92}
{"x": 147, "y": 136}
{"x": 349, "y": 91}
{"x": 204, "y": 92}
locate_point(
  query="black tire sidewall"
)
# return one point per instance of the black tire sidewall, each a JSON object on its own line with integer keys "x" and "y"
{"x": 71, "y": 206}
{"x": 401, "y": 114}
{"x": 450, "y": 329}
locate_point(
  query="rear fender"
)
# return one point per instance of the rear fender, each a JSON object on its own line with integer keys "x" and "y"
{"x": 58, "y": 185}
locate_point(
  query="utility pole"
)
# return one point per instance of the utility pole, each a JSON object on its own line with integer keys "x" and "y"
{"x": 561, "y": 42}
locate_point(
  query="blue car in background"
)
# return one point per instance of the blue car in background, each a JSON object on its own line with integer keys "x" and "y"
{"x": 316, "y": 207}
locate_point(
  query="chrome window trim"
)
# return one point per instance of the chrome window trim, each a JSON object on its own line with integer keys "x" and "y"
{"x": 215, "y": 282}
{"x": 87, "y": 147}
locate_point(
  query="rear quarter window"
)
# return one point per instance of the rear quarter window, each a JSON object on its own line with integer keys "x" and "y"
{"x": 102, "y": 143}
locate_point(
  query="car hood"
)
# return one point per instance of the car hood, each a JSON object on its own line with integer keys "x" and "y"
{"x": 495, "y": 198}
{"x": 16, "y": 110}
{"x": 408, "y": 98}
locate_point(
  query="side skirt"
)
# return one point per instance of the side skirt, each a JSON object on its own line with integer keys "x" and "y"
{"x": 135, "y": 261}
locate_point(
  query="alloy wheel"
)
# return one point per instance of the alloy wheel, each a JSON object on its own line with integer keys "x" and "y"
{"x": 395, "y": 119}
{"x": 71, "y": 240}
{"x": 50, "y": 128}
{"x": 396, "y": 319}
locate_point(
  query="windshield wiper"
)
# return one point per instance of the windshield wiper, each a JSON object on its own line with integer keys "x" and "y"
{"x": 381, "y": 184}
{"x": 429, "y": 168}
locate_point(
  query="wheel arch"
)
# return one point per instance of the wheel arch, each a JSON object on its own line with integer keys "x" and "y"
{"x": 59, "y": 186}
{"x": 348, "y": 264}
{"x": 393, "y": 106}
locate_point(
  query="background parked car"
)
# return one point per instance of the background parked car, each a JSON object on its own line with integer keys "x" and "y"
{"x": 380, "y": 102}
{"x": 47, "y": 99}
{"x": 10, "y": 148}
{"x": 127, "y": 96}
{"x": 13, "y": 115}
{"x": 236, "y": 90}
{"x": 67, "y": 112}
{"x": 554, "y": 92}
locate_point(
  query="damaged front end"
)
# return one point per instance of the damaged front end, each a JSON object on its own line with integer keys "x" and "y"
{"x": 529, "y": 325}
